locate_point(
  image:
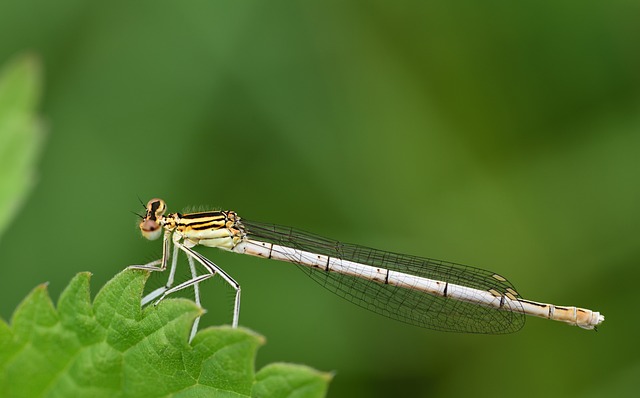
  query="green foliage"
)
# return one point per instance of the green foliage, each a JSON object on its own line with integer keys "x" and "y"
{"x": 20, "y": 133}
{"x": 113, "y": 348}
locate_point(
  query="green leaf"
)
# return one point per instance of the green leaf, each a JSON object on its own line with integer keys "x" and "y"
{"x": 272, "y": 378}
{"x": 113, "y": 348}
{"x": 21, "y": 133}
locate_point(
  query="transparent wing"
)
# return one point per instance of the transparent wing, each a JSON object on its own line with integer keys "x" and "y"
{"x": 410, "y": 306}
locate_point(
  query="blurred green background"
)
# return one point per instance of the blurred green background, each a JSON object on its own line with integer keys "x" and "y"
{"x": 504, "y": 136}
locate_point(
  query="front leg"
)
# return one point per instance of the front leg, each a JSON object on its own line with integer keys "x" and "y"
{"x": 152, "y": 266}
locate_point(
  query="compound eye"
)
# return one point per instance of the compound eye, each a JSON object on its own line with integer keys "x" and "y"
{"x": 150, "y": 229}
{"x": 156, "y": 208}
{"x": 151, "y": 226}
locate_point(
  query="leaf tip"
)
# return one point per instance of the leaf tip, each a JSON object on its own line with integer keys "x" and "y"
{"x": 39, "y": 290}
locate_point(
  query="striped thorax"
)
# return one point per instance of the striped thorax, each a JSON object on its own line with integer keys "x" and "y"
{"x": 221, "y": 229}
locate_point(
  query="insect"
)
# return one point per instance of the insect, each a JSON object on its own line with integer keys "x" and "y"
{"x": 425, "y": 292}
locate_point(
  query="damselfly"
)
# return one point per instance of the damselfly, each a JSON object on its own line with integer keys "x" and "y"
{"x": 429, "y": 293}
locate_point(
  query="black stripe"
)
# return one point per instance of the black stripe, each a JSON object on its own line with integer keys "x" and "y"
{"x": 446, "y": 288}
{"x": 212, "y": 214}
{"x": 386, "y": 278}
{"x": 203, "y": 226}
{"x": 532, "y": 303}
